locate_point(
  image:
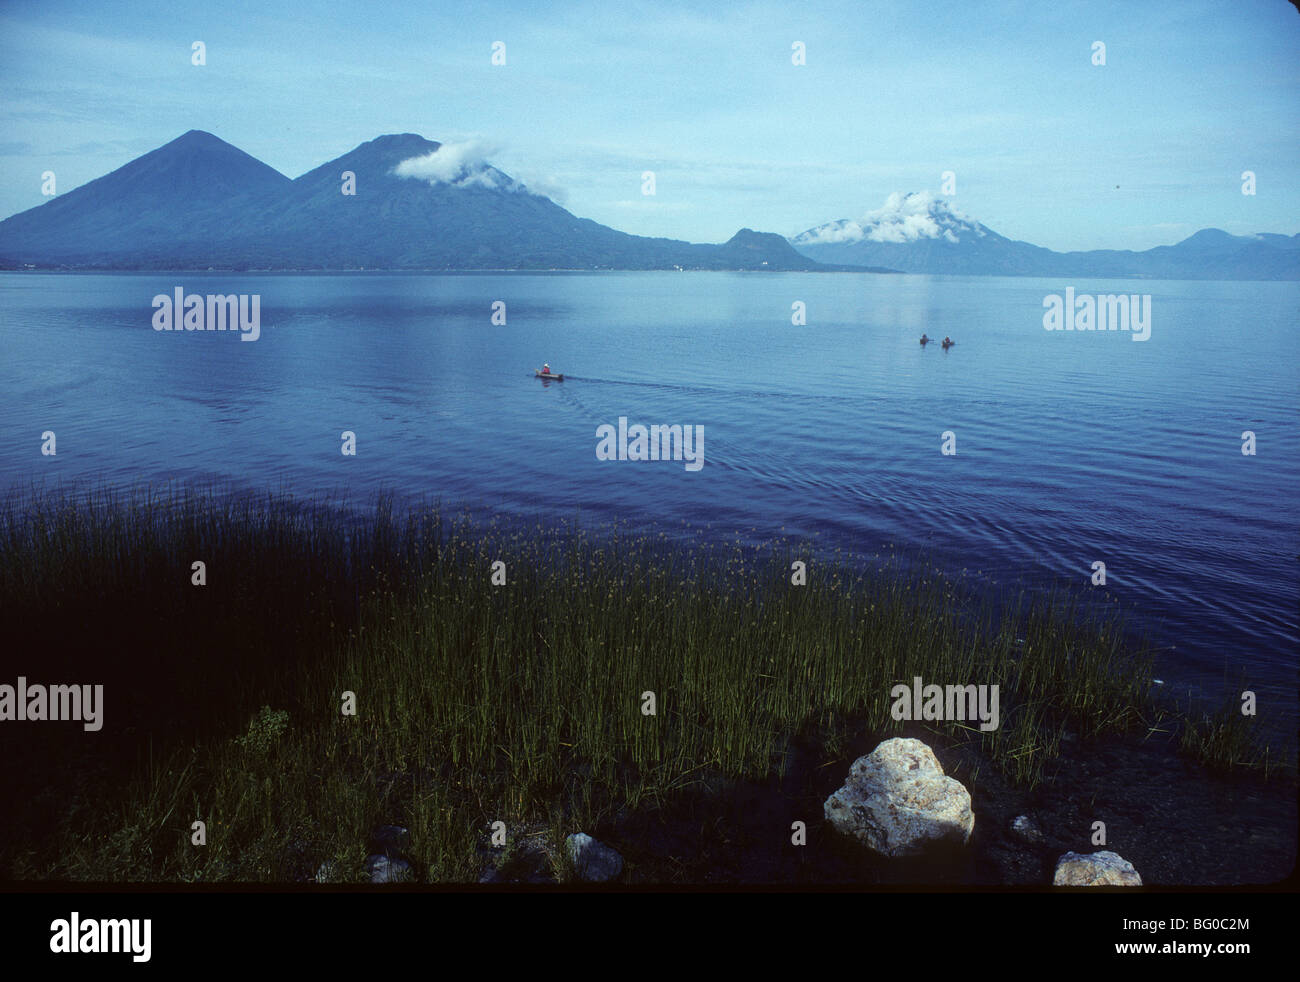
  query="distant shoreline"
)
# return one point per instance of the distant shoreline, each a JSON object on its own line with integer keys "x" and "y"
{"x": 438, "y": 269}
{"x": 527, "y": 271}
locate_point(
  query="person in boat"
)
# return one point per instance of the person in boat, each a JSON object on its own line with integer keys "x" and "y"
{"x": 924, "y": 339}
{"x": 947, "y": 340}
{"x": 546, "y": 369}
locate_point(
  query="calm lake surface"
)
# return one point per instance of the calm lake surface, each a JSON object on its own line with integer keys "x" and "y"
{"x": 1071, "y": 447}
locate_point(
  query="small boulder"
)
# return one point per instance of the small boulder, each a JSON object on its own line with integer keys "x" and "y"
{"x": 1027, "y": 829}
{"x": 329, "y": 872}
{"x": 593, "y": 861}
{"x": 1100, "y": 869}
{"x": 898, "y": 802}
{"x": 382, "y": 869}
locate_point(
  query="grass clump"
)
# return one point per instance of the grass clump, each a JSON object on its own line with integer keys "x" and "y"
{"x": 264, "y": 731}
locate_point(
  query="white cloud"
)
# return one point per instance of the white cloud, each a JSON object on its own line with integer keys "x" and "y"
{"x": 546, "y": 185}
{"x": 461, "y": 165}
{"x": 903, "y": 218}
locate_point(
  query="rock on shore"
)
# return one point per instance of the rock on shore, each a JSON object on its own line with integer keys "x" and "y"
{"x": 382, "y": 869}
{"x": 593, "y": 861}
{"x": 898, "y": 802}
{"x": 1099, "y": 869}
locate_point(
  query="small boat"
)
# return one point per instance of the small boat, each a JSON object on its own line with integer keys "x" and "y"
{"x": 947, "y": 344}
{"x": 553, "y": 376}
{"x": 925, "y": 341}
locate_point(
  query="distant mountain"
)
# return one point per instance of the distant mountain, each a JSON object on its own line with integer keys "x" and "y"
{"x": 199, "y": 202}
{"x": 922, "y": 233}
{"x": 748, "y": 249}
{"x": 465, "y": 215}
{"x": 186, "y": 190}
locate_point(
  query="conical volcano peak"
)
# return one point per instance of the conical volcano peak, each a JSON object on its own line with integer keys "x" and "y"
{"x": 403, "y": 142}
{"x": 198, "y": 137}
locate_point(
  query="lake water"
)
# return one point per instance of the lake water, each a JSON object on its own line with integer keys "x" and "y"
{"x": 1071, "y": 447}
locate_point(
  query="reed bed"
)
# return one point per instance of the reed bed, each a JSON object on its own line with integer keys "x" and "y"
{"x": 476, "y": 702}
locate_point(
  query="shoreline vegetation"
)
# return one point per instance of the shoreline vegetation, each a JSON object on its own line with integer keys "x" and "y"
{"x": 520, "y": 703}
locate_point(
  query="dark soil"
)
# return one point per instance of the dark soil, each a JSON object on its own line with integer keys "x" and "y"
{"x": 1176, "y": 822}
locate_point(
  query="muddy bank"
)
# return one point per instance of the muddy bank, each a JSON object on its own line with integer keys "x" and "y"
{"x": 1178, "y": 823}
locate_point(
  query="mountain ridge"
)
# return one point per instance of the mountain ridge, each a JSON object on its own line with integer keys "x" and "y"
{"x": 920, "y": 232}
{"x": 412, "y": 203}
{"x": 200, "y": 202}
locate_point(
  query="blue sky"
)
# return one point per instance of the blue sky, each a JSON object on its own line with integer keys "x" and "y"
{"x": 1046, "y": 147}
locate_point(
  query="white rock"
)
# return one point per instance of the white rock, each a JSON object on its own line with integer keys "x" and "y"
{"x": 1099, "y": 869}
{"x": 1027, "y": 829}
{"x": 897, "y": 801}
{"x": 328, "y": 872}
{"x": 593, "y": 861}
{"x": 385, "y": 870}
